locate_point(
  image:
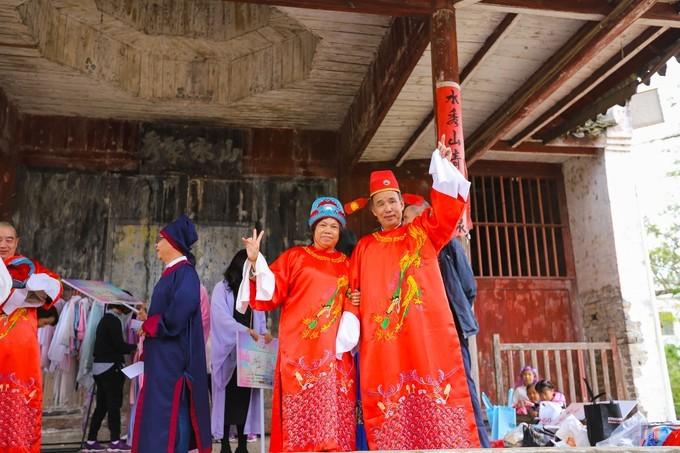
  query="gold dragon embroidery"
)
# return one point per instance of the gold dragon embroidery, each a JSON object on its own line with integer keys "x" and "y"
{"x": 392, "y": 320}
{"x": 329, "y": 312}
{"x": 7, "y": 323}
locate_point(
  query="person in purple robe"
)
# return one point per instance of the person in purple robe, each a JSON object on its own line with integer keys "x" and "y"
{"x": 232, "y": 405}
{"x": 173, "y": 412}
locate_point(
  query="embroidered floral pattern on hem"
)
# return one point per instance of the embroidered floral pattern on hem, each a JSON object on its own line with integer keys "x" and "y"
{"x": 421, "y": 424}
{"x": 321, "y": 415}
{"x": 19, "y": 413}
{"x": 417, "y": 416}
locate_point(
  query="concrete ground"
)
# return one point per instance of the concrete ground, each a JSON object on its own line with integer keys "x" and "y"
{"x": 253, "y": 447}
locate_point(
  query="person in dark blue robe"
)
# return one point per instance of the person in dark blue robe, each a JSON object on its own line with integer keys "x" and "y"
{"x": 461, "y": 290}
{"x": 173, "y": 413}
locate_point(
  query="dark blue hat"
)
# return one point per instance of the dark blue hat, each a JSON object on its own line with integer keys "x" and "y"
{"x": 181, "y": 234}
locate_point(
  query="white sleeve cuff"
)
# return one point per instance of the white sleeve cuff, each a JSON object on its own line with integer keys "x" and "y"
{"x": 5, "y": 282}
{"x": 447, "y": 179}
{"x": 43, "y": 282}
{"x": 265, "y": 283}
{"x": 23, "y": 298}
{"x": 348, "y": 334}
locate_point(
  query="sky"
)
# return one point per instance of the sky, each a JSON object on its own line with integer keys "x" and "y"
{"x": 656, "y": 149}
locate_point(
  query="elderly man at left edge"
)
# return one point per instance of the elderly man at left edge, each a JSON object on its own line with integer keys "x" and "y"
{"x": 25, "y": 287}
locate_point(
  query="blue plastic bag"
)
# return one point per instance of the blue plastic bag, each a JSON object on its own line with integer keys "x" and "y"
{"x": 502, "y": 419}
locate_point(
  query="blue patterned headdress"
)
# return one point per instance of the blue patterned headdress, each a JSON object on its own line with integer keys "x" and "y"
{"x": 327, "y": 207}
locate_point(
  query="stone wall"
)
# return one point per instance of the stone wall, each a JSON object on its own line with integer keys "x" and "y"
{"x": 615, "y": 291}
{"x": 104, "y": 226}
{"x": 93, "y": 194}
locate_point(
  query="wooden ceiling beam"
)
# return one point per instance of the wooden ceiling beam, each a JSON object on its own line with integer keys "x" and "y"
{"x": 381, "y": 7}
{"x": 397, "y": 56}
{"x": 660, "y": 15}
{"x": 597, "y": 77}
{"x": 618, "y": 87}
{"x": 581, "y": 48}
{"x": 490, "y": 44}
{"x": 539, "y": 148}
{"x": 413, "y": 139}
{"x": 463, "y": 3}
{"x": 482, "y": 55}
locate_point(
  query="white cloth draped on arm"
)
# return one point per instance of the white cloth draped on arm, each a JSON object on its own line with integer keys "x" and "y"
{"x": 447, "y": 179}
{"x": 5, "y": 282}
{"x": 348, "y": 334}
{"x": 26, "y": 297}
{"x": 265, "y": 283}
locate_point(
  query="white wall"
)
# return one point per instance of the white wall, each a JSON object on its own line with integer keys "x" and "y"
{"x": 615, "y": 288}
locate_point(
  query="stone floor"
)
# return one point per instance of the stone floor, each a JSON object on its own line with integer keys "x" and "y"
{"x": 254, "y": 447}
{"x": 60, "y": 436}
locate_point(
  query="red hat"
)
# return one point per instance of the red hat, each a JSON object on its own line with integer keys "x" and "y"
{"x": 381, "y": 181}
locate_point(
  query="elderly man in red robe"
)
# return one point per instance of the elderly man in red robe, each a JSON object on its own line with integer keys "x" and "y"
{"x": 413, "y": 386}
{"x": 24, "y": 287}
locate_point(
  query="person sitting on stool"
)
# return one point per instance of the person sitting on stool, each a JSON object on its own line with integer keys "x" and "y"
{"x": 109, "y": 349}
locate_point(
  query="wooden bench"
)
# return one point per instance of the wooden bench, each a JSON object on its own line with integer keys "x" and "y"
{"x": 562, "y": 363}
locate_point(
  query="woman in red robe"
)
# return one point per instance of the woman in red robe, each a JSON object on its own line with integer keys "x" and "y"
{"x": 413, "y": 387}
{"x": 314, "y": 395}
{"x": 20, "y": 376}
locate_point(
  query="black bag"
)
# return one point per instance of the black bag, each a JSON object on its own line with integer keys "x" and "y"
{"x": 536, "y": 436}
{"x": 601, "y": 418}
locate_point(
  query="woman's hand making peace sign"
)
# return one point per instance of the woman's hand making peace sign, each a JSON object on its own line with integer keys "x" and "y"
{"x": 252, "y": 245}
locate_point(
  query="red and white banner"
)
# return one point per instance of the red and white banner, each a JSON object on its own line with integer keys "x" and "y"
{"x": 450, "y": 124}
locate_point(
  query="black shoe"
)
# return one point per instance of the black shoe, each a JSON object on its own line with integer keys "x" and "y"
{"x": 242, "y": 444}
{"x": 226, "y": 448}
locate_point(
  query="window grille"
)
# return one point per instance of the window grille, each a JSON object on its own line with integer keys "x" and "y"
{"x": 518, "y": 227}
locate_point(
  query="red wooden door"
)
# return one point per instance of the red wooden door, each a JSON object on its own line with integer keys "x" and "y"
{"x": 521, "y": 311}
{"x": 521, "y": 254}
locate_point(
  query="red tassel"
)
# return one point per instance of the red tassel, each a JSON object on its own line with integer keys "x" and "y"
{"x": 354, "y": 206}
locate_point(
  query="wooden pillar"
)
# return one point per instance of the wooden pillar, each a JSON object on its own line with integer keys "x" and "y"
{"x": 448, "y": 115}
{"x": 444, "y": 48}
{"x": 9, "y": 160}
{"x": 8, "y": 175}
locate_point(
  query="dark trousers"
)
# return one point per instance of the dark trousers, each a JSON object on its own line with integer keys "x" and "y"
{"x": 476, "y": 407}
{"x": 109, "y": 401}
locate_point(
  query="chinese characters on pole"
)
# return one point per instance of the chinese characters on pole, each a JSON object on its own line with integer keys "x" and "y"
{"x": 450, "y": 124}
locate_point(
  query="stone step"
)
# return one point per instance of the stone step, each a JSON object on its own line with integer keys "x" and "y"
{"x": 62, "y": 419}
{"x": 61, "y": 436}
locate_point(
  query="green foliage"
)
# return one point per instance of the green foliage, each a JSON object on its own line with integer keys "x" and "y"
{"x": 676, "y": 170}
{"x": 665, "y": 258}
{"x": 673, "y": 360}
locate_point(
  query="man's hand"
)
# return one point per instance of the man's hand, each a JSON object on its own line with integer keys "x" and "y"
{"x": 254, "y": 335}
{"x": 252, "y": 245}
{"x": 142, "y": 314}
{"x": 355, "y": 297}
{"x": 268, "y": 338}
{"x": 444, "y": 151}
